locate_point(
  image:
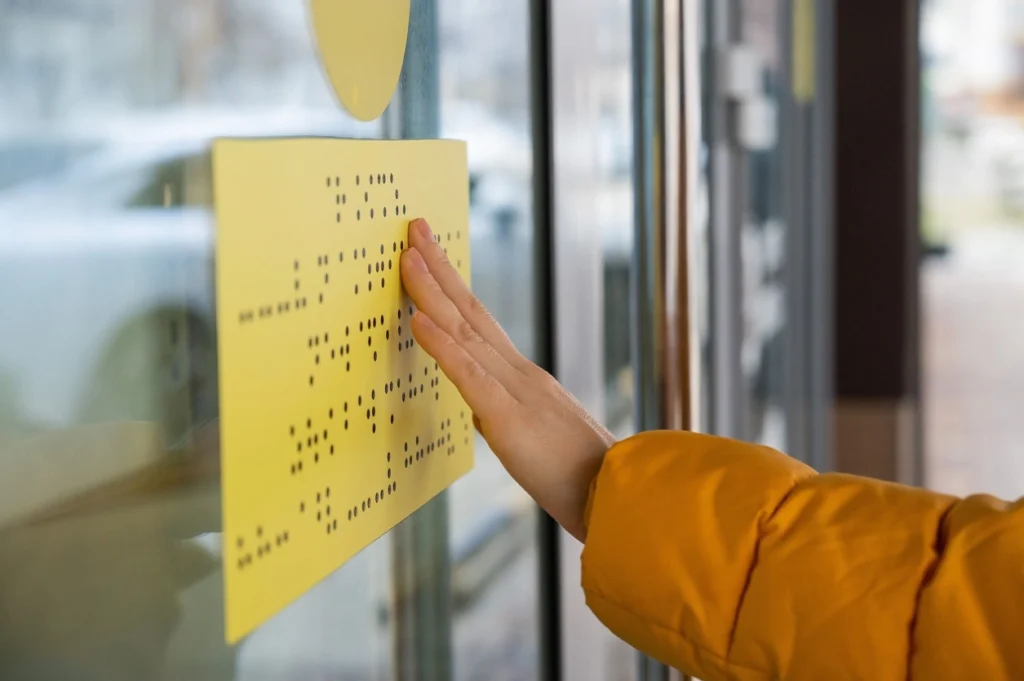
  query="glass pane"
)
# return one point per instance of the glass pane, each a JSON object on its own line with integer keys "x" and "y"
{"x": 614, "y": 195}
{"x": 593, "y": 186}
{"x": 763, "y": 234}
{"x": 972, "y": 225}
{"x": 109, "y": 491}
{"x": 485, "y": 85}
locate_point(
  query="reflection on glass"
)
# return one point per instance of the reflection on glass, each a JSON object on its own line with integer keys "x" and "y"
{"x": 109, "y": 494}
{"x": 763, "y": 241}
{"x": 485, "y": 86}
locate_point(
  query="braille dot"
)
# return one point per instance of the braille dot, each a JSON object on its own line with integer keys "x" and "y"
{"x": 330, "y": 415}
{"x": 392, "y": 419}
{"x": 387, "y": 335}
{"x": 357, "y": 289}
{"x": 357, "y": 180}
{"x": 376, "y": 497}
{"x": 371, "y": 213}
{"x": 389, "y": 461}
{"x": 364, "y": 505}
{"x": 403, "y": 210}
{"x": 346, "y": 424}
{"x": 401, "y": 244}
{"x": 385, "y": 213}
{"x": 350, "y": 514}
{"x": 311, "y": 380}
{"x": 359, "y": 215}
{"x": 374, "y": 428}
{"x": 364, "y": 252}
{"x": 374, "y": 355}
{"x": 392, "y": 178}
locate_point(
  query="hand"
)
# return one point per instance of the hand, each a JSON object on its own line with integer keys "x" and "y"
{"x": 540, "y": 433}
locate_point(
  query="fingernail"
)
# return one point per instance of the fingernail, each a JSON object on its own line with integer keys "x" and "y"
{"x": 424, "y": 320}
{"x": 424, "y": 229}
{"x": 415, "y": 259}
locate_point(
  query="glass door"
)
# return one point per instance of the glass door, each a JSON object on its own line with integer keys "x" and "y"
{"x": 766, "y": 129}
{"x": 109, "y": 463}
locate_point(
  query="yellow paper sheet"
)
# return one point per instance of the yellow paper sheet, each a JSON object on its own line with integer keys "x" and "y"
{"x": 335, "y": 426}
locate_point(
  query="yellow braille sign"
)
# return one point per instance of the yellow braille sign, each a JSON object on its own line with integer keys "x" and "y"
{"x": 335, "y": 426}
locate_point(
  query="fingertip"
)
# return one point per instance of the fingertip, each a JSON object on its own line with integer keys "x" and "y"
{"x": 419, "y": 226}
{"x": 422, "y": 320}
{"x": 411, "y": 257}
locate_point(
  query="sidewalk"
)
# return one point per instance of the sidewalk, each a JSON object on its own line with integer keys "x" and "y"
{"x": 973, "y": 363}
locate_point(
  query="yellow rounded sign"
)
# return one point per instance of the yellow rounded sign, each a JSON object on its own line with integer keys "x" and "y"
{"x": 362, "y": 45}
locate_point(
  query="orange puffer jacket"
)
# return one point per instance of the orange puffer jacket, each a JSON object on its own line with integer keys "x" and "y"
{"x": 732, "y": 561}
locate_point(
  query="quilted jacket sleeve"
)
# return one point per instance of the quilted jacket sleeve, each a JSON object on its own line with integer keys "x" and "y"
{"x": 733, "y": 561}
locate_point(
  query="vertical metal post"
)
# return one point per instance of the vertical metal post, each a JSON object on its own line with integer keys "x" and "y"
{"x": 542, "y": 126}
{"x": 821, "y": 263}
{"x": 667, "y": 138}
{"x": 421, "y": 562}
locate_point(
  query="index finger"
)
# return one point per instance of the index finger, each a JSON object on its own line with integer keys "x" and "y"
{"x": 452, "y": 284}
